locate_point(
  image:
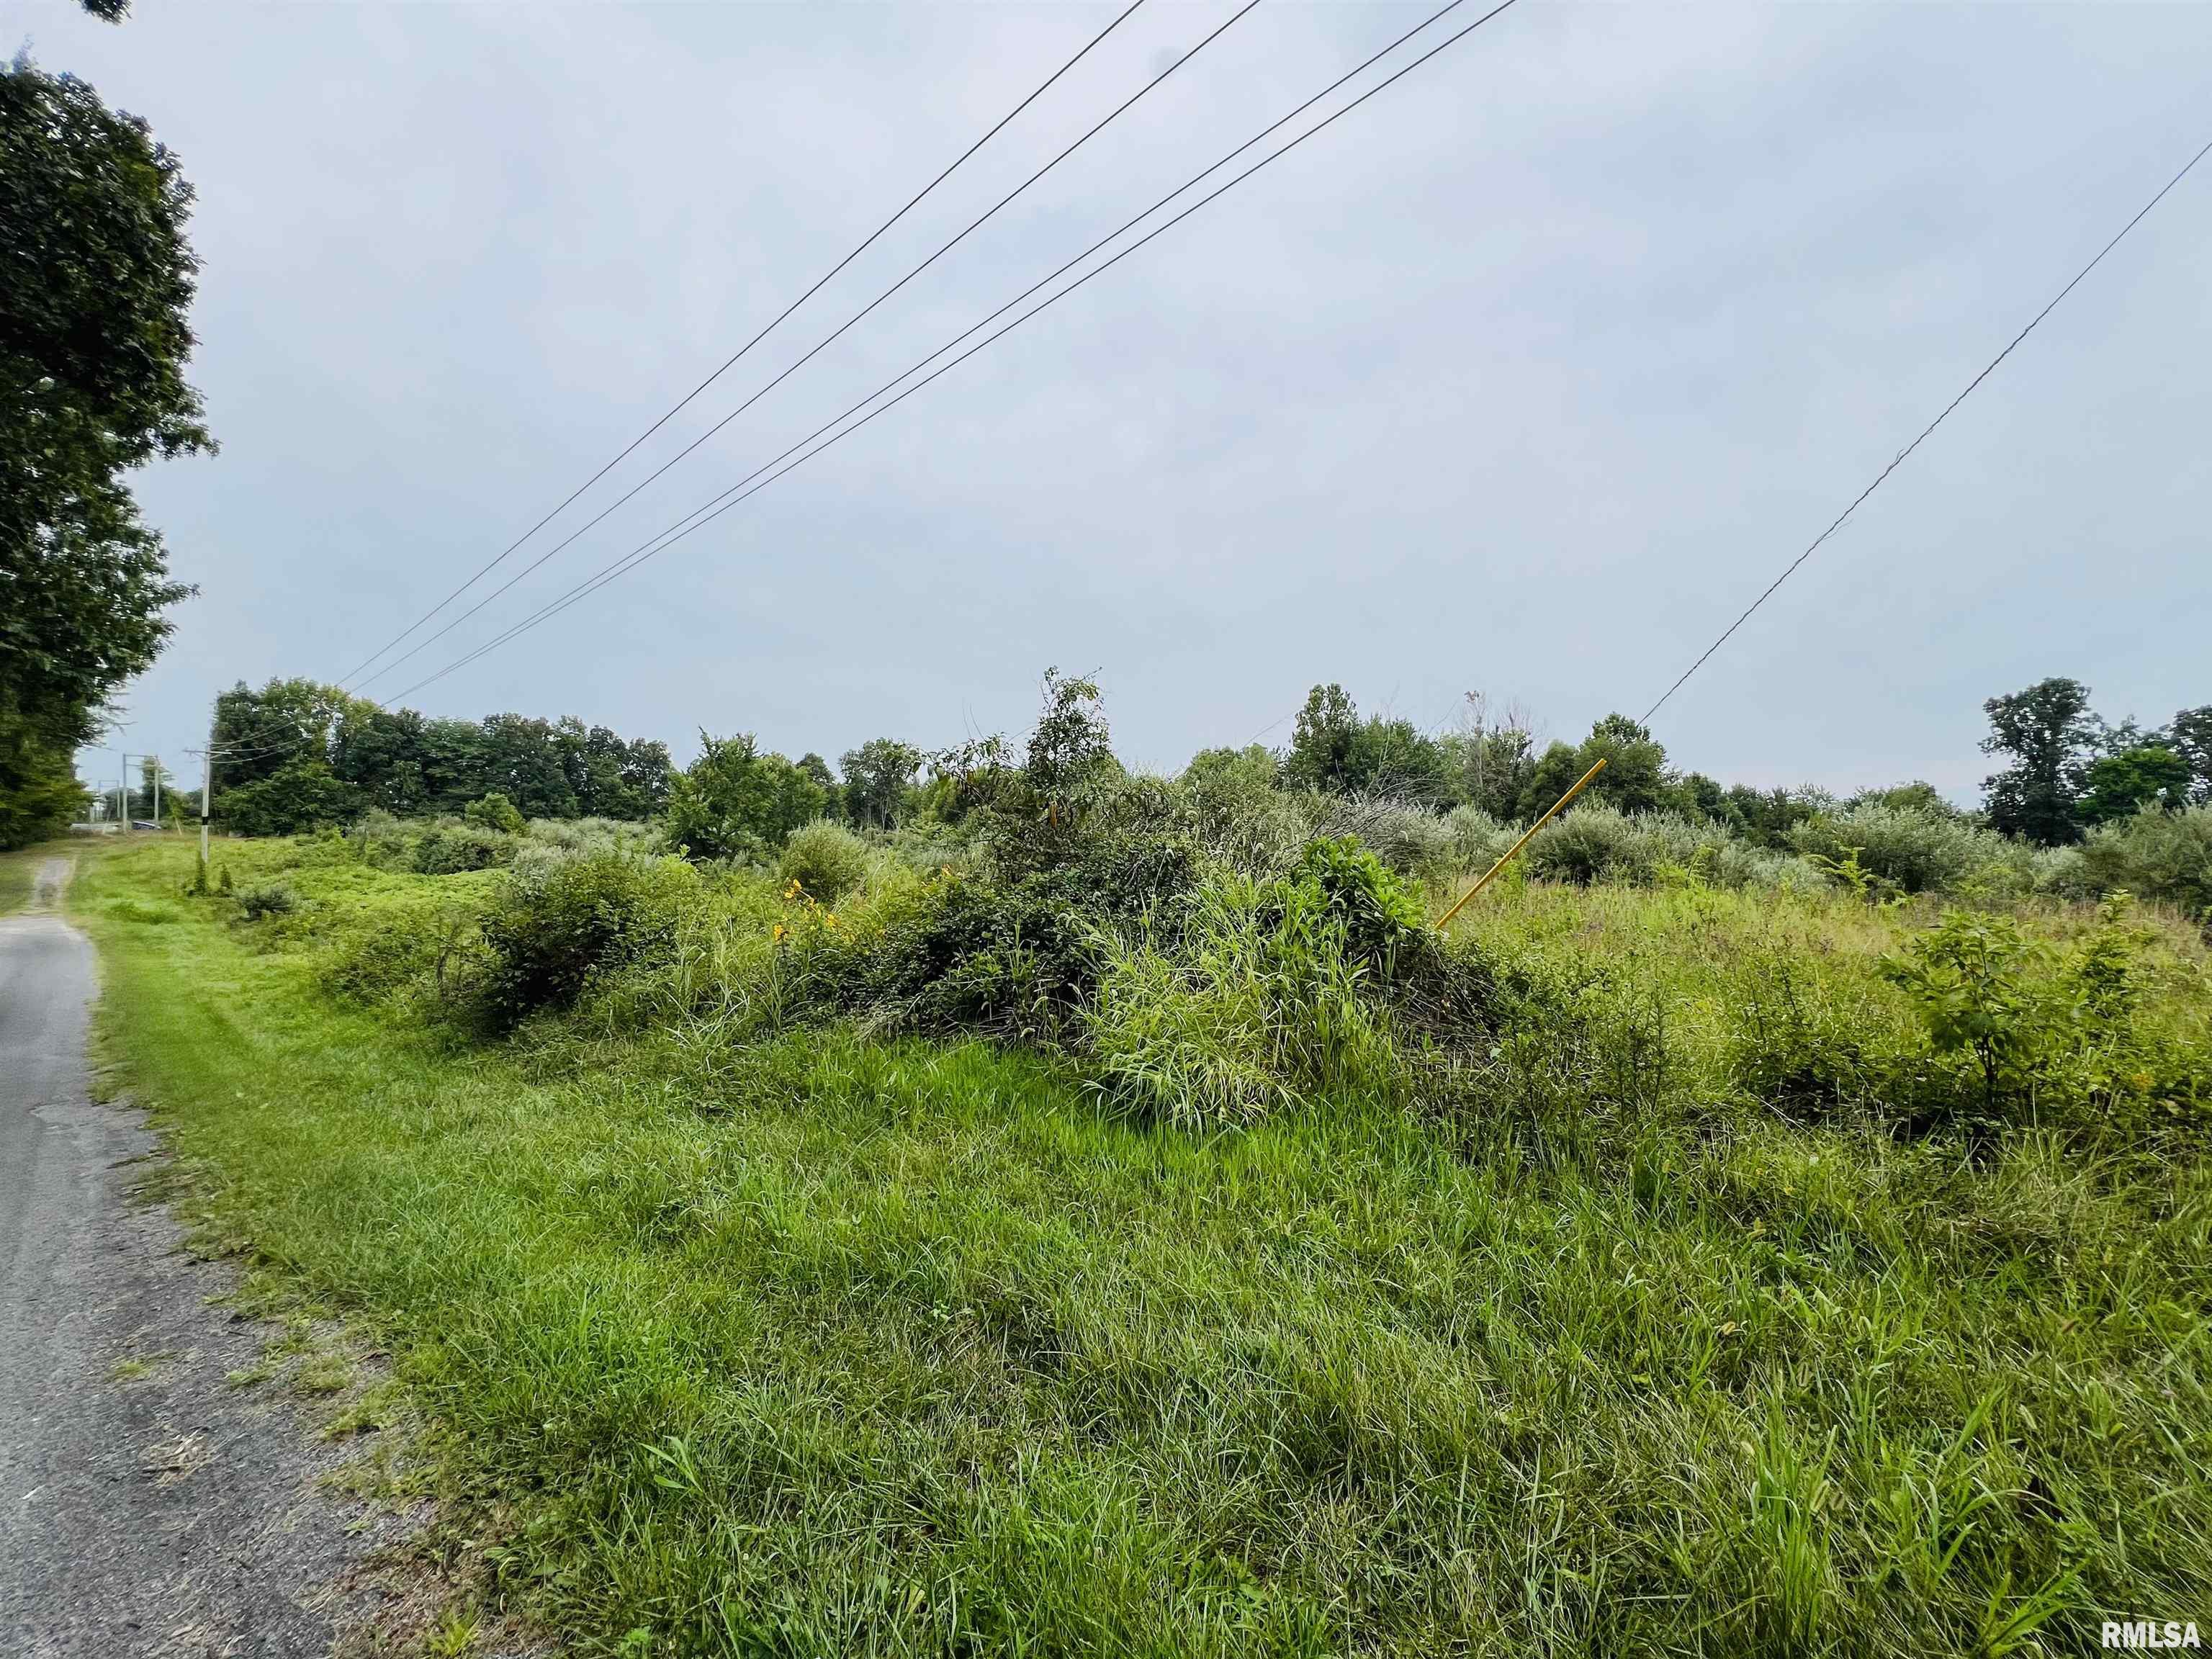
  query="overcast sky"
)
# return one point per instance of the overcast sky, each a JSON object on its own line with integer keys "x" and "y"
{"x": 1526, "y": 376}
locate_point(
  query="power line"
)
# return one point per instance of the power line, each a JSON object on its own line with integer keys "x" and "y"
{"x": 668, "y": 538}
{"x": 1899, "y": 459}
{"x": 822, "y": 343}
{"x": 731, "y": 360}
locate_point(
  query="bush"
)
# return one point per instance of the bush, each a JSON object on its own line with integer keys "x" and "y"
{"x": 1475, "y": 840}
{"x": 737, "y": 803}
{"x": 496, "y": 811}
{"x": 825, "y": 859}
{"x": 2164, "y": 857}
{"x": 1596, "y": 842}
{"x": 592, "y": 835}
{"x": 302, "y": 796}
{"x": 1411, "y": 839}
{"x": 453, "y": 845}
{"x": 271, "y": 900}
{"x": 551, "y": 928}
{"x": 378, "y": 837}
{"x": 411, "y": 948}
{"x": 1919, "y": 851}
{"x": 1017, "y": 955}
{"x": 2039, "y": 1036}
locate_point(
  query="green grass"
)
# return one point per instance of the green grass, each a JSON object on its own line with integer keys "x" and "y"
{"x": 17, "y": 873}
{"x": 832, "y": 1346}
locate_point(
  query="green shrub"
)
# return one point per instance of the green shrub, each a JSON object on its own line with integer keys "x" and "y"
{"x": 1919, "y": 851}
{"x": 2163, "y": 857}
{"x": 1411, "y": 839}
{"x": 1377, "y": 914}
{"x": 496, "y": 811}
{"x": 2057, "y": 1038}
{"x": 1018, "y": 957}
{"x": 1811, "y": 1048}
{"x": 453, "y": 845}
{"x": 303, "y": 796}
{"x": 1595, "y": 842}
{"x": 592, "y": 835}
{"x": 1475, "y": 840}
{"x": 378, "y": 838}
{"x": 272, "y": 899}
{"x": 825, "y": 859}
{"x": 551, "y": 928}
{"x": 1971, "y": 981}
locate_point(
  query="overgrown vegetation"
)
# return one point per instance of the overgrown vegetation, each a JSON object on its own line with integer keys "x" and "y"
{"x": 1086, "y": 1212}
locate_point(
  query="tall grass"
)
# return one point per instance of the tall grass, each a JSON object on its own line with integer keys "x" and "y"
{"x": 753, "y": 1334}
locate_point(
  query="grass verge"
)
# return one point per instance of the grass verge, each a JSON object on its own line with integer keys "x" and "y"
{"x": 824, "y": 1345}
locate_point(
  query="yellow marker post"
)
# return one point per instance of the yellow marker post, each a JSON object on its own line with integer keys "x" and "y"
{"x": 1557, "y": 807}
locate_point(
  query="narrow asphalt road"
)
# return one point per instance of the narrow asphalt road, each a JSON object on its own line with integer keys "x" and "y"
{"x": 146, "y": 1506}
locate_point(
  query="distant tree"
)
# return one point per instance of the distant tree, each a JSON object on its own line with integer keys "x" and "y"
{"x": 95, "y": 282}
{"x": 299, "y": 796}
{"x": 1334, "y": 751}
{"x": 2048, "y": 731}
{"x": 156, "y": 781}
{"x": 614, "y": 779}
{"x": 1070, "y": 751}
{"x": 1694, "y": 795}
{"x": 1635, "y": 776}
{"x": 1489, "y": 759}
{"x": 2143, "y": 775}
{"x": 397, "y": 760}
{"x": 818, "y": 769}
{"x": 1553, "y": 775}
{"x": 1323, "y": 742}
{"x": 1765, "y": 817}
{"x": 879, "y": 776}
{"x": 735, "y": 802}
{"x": 1397, "y": 759}
{"x": 2190, "y": 737}
{"x": 1914, "y": 796}
{"x": 526, "y": 760}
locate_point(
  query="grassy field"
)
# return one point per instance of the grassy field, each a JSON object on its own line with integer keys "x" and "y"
{"x": 820, "y": 1344}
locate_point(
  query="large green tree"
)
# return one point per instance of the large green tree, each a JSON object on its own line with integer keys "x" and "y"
{"x": 2050, "y": 733}
{"x": 96, "y": 280}
{"x": 737, "y": 802}
{"x": 2129, "y": 780}
{"x": 878, "y": 778}
{"x": 1334, "y": 751}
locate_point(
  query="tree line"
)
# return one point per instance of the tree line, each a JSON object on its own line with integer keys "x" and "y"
{"x": 295, "y": 756}
{"x": 2072, "y": 770}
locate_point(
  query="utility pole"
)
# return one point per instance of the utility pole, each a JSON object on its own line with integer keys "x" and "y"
{"x": 207, "y": 786}
{"x": 123, "y": 789}
{"x": 157, "y": 792}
